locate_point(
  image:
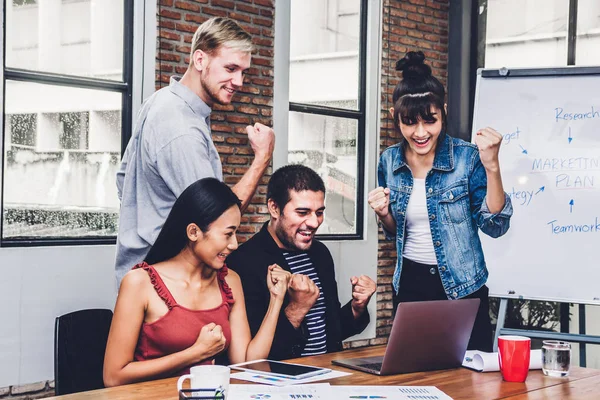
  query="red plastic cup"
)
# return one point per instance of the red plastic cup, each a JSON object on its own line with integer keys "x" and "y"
{"x": 513, "y": 354}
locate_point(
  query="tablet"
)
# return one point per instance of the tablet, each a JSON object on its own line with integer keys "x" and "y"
{"x": 281, "y": 369}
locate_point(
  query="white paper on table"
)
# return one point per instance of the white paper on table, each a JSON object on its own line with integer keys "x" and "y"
{"x": 488, "y": 362}
{"x": 319, "y": 391}
{"x": 388, "y": 392}
{"x": 281, "y": 381}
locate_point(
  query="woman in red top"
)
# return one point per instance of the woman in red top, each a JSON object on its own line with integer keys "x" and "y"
{"x": 182, "y": 306}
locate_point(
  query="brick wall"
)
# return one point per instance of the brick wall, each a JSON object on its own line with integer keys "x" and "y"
{"x": 407, "y": 25}
{"x": 177, "y": 22}
{"x": 28, "y": 391}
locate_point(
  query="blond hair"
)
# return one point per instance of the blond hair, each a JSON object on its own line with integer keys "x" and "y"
{"x": 217, "y": 32}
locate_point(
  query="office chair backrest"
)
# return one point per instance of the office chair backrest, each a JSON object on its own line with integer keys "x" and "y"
{"x": 79, "y": 345}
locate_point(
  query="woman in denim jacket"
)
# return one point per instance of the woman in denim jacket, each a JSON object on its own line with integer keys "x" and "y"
{"x": 435, "y": 193}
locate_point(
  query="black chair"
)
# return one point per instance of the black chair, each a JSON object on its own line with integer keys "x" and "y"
{"x": 79, "y": 345}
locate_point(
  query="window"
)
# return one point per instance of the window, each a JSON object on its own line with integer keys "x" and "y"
{"x": 588, "y": 33}
{"x": 540, "y": 33}
{"x": 67, "y": 114}
{"x": 73, "y": 130}
{"x": 327, "y": 105}
{"x": 21, "y": 129}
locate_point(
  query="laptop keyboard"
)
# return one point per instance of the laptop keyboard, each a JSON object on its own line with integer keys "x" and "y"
{"x": 373, "y": 366}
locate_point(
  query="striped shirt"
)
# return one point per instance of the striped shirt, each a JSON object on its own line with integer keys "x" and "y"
{"x": 300, "y": 263}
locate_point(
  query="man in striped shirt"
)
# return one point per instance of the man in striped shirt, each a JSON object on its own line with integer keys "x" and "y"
{"x": 312, "y": 320}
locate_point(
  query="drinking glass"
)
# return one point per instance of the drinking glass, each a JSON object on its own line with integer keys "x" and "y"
{"x": 556, "y": 358}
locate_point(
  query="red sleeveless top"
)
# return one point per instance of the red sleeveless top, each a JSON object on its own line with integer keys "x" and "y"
{"x": 180, "y": 327}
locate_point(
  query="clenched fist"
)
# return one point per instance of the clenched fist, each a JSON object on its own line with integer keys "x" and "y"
{"x": 303, "y": 291}
{"x": 262, "y": 140}
{"x": 278, "y": 280}
{"x": 303, "y": 295}
{"x": 363, "y": 288}
{"x": 488, "y": 142}
{"x": 379, "y": 200}
{"x": 211, "y": 341}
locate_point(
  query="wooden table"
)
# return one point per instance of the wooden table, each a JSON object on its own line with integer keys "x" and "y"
{"x": 581, "y": 389}
{"x": 459, "y": 383}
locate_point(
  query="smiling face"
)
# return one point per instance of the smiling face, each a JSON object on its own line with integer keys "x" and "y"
{"x": 213, "y": 246}
{"x": 422, "y": 134}
{"x": 221, "y": 74}
{"x": 295, "y": 226}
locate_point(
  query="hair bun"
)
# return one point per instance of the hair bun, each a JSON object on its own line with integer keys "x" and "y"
{"x": 413, "y": 65}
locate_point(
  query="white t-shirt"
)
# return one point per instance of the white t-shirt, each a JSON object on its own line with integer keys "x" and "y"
{"x": 418, "y": 244}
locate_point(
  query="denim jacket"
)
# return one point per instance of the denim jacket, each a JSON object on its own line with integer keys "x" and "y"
{"x": 456, "y": 187}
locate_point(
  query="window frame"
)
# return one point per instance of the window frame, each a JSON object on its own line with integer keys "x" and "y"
{"x": 571, "y": 34}
{"x": 468, "y": 49}
{"x": 125, "y": 87}
{"x": 471, "y": 51}
{"x": 358, "y": 115}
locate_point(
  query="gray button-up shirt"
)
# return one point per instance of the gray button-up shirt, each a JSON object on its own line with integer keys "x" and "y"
{"x": 170, "y": 149}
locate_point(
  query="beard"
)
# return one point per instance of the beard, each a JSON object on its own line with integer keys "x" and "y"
{"x": 213, "y": 93}
{"x": 285, "y": 239}
{"x": 288, "y": 240}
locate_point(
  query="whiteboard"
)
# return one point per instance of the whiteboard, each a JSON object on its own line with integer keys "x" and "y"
{"x": 550, "y": 165}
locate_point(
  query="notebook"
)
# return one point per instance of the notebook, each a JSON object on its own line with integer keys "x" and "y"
{"x": 425, "y": 336}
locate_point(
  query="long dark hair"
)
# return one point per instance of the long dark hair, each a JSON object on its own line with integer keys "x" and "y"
{"x": 417, "y": 91}
{"x": 202, "y": 203}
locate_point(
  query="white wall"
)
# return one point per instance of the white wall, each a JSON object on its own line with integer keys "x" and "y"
{"x": 357, "y": 256}
{"x": 39, "y": 283}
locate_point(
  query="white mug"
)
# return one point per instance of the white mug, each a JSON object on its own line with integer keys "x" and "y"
{"x": 207, "y": 377}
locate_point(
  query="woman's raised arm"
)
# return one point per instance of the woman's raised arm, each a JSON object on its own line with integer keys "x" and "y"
{"x": 243, "y": 347}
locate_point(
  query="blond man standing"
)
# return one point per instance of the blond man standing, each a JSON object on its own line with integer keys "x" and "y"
{"x": 172, "y": 147}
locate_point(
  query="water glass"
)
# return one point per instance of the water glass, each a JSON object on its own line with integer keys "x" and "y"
{"x": 556, "y": 358}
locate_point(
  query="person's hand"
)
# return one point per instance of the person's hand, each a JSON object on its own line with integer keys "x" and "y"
{"x": 303, "y": 291}
{"x": 211, "y": 341}
{"x": 303, "y": 295}
{"x": 278, "y": 280}
{"x": 379, "y": 200}
{"x": 262, "y": 140}
{"x": 488, "y": 142}
{"x": 363, "y": 288}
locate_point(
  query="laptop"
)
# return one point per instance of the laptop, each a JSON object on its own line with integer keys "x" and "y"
{"x": 425, "y": 336}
